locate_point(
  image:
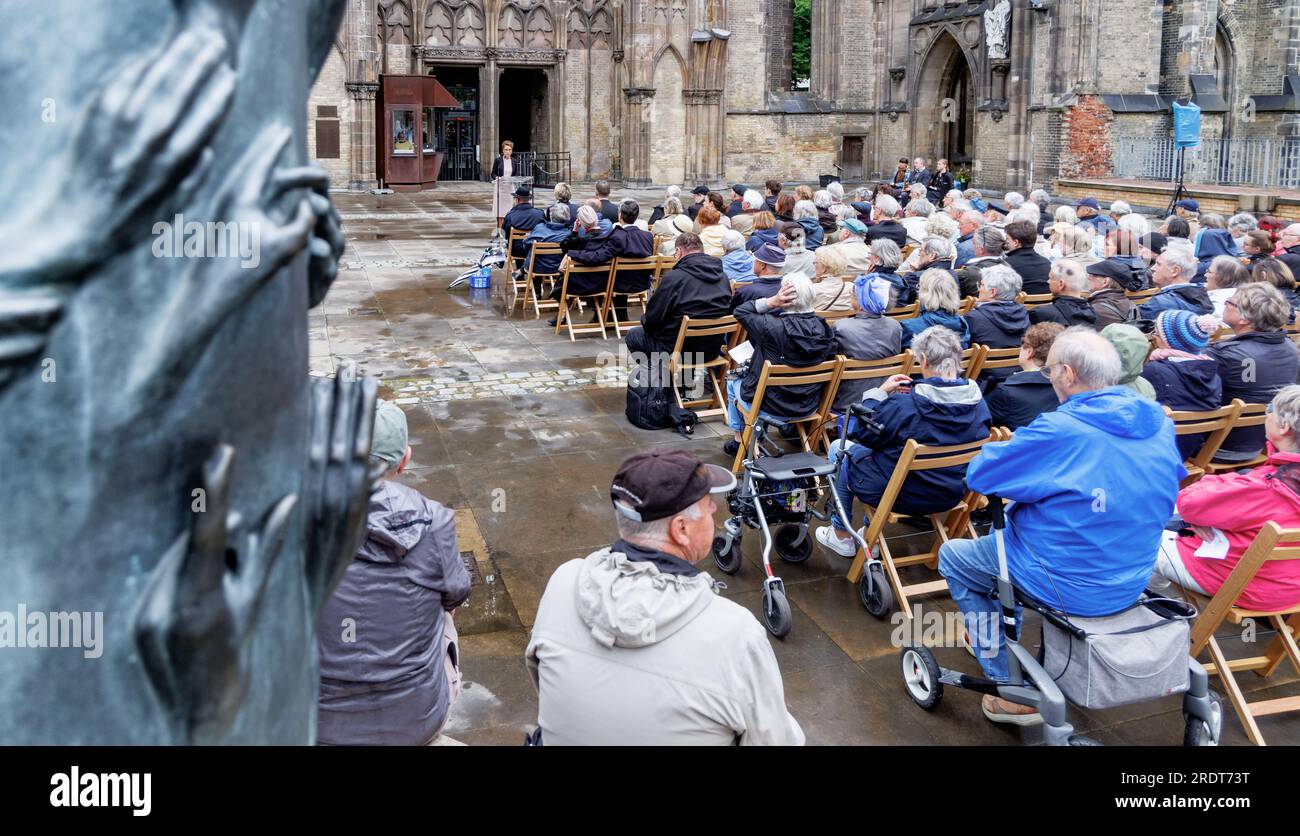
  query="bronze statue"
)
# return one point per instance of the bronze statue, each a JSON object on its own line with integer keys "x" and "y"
{"x": 165, "y": 459}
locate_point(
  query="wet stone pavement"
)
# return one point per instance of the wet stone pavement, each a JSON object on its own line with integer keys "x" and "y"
{"x": 520, "y": 431}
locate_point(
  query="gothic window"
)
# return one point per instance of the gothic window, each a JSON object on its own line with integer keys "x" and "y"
{"x": 395, "y": 22}
{"x": 541, "y": 30}
{"x": 439, "y": 25}
{"x": 470, "y": 25}
{"x": 1223, "y": 64}
{"x": 511, "y": 29}
{"x": 454, "y": 23}
{"x": 590, "y": 25}
{"x": 789, "y": 44}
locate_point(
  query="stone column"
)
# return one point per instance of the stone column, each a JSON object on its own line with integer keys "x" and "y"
{"x": 636, "y": 133}
{"x": 364, "y": 171}
{"x": 488, "y": 116}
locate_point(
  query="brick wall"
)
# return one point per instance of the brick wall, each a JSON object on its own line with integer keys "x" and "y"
{"x": 1086, "y": 148}
{"x": 329, "y": 91}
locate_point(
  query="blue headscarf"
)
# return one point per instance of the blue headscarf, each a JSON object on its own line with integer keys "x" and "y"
{"x": 872, "y": 293}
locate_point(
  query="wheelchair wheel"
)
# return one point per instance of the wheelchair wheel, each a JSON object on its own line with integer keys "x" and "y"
{"x": 726, "y": 553}
{"x": 1197, "y": 733}
{"x": 921, "y": 677}
{"x": 785, "y": 538}
{"x": 776, "y": 613}
{"x": 874, "y": 591}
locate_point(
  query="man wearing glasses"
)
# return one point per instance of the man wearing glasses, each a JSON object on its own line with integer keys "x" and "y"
{"x": 1091, "y": 485}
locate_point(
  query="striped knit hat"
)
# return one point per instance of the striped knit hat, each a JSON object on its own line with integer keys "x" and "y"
{"x": 1186, "y": 331}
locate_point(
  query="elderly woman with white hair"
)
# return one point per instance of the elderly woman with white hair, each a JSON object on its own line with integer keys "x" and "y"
{"x": 674, "y": 222}
{"x": 785, "y": 330}
{"x": 806, "y": 215}
{"x": 831, "y": 293}
{"x": 737, "y": 262}
{"x": 942, "y": 408}
{"x": 563, "y": 195}
{"x": 751, "y": 204}
{"x": 798, "y": 258}
{"x": 998, "y": 320}
{"x": 1074, "y": 243}
{"x": 939, "y": 305}
{"x": 914, "y": 219}
{"x": 825, "y": 215}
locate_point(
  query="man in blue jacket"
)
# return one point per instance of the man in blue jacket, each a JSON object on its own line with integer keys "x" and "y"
{"x": 554, "y": 231}
{"x": 1092, "y": 485}
{"x": 1173, "y": 273}
{"x": 523, "y": 216}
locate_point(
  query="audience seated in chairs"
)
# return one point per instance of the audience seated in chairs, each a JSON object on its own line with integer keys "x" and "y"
{"x": 608, "y": 211}
{"x": 563, "y": 195}
{"x": 521, "y": 216}
{"x": 1256, "y": 363}
{"x": 750, "y": 205}
{"x": 586, "y": 238}
{"x": 832, "y": 293}
{"x": 710, "y": 228}
{"x": 1275, "y": 272}
{"x": 935, "y": 253}
{"x": 852, "y": 245}
{"x": 967, "y": 225}
{"x": 825, "y": 214}
{"x": 1017, "y": 400}
{"x": 695, "y": 287}
{"x": 784, "y": 329}
{"x": 632, "y": 645}
{"x": 1070, "y": 306}
{"x": 737, "y": 262}
{"x": 1106, "y": 285}
{"x": 885, "y": 258}
{"x": 988, "y": 243}
{"x": 1238, "y": 505}
{"x": 940, "y": 305}
{"x": 626, "y": 240}
{"x": 769, "y": 265}
{"x": 553, "y": 231}
{"x": 942, "y": 408}
{"x": 886, "y": 224}
{"x": 661, "y": 211}
{"x": 1222, "y": 279}
{"x": 867, "y": 335}
{"x": 1173, "y": 273}
{"x": 1092, "y": 483}
{"x": 805, "y": 214}
{"x": 1184, "y": 376}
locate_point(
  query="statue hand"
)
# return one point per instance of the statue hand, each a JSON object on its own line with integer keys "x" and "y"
{"x": 339, "y": 478}
{"x": 327, "y": 243}
{"x": 200, "y": 605}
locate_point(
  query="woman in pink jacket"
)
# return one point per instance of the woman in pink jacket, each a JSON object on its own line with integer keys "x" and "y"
{"x": 1238, "y": 505}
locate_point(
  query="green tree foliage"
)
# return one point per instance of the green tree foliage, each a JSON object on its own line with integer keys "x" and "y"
{"x": 801, "y": 48}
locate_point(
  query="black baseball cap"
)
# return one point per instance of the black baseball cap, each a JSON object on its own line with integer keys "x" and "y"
{"x": 658, "y": 484}
{"x": 700, "y": 190}
{"x": 739, "y": 188}
{"x": 1117, "y": 272}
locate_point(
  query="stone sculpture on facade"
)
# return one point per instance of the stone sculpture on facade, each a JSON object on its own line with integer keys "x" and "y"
{"x": 997, "y": 29}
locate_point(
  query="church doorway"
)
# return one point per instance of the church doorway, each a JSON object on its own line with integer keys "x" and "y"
{"x": 944, "y": 96}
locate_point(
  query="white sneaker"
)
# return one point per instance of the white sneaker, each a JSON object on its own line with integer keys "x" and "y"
{"x": 830, "y": 539}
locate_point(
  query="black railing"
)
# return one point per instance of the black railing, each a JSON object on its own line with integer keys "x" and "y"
{"x": 460, "y": 165}
{"x": 546, "y": 167}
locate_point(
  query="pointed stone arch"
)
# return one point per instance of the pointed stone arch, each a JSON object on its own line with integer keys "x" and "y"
{"x": 668, "y": 140}
{"x": 945, "y": 90}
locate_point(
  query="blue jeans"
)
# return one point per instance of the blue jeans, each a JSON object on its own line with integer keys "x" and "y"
{"x": 842, "y": 489}
{"x": 734, "y": 404}
{"x": 971, "y": 569}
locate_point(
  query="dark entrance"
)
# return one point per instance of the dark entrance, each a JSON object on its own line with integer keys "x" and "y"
{"x": 959, "y": 133}
{"x": 458, "y": 130}
{"x": 524, "y": 114}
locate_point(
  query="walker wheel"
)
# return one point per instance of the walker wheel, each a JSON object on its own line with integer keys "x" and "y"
{"x": 1197, "y": 733}
{"x": 1084, "y": 740}
{"x": 789, "y": 546}
{"x": 921, "y": 677}
{"x": 776, "y": 613}
{"x": 874, "y": 591}
{"x": 726, "y": 553}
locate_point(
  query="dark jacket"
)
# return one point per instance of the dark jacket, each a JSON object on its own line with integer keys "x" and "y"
{"x": 759, "y": 237}
{"x": 523, "y": 216}
{"x": 1112, "y": 306}
{"x": 736, "y": 207}
{"x": 499, "y": 167}
{"x": 924, "y": 176}
{"x": 829, "y": 223}
{"x": 864, "y": 337}
{"x": 893, "y": 230}
{"x": 1211, "y": 244}
{"x": 937, "y": 412}
{"x": 573, "y": 212}
{"x": 813, "y": 234}
{"x": 929, "y": 319}
{"x": 630, "y": 241}
{"x": 608, "y": 210}
{"x": 786, "y": 339}
{"x": 909, "y": 283}
{"x": 761, "y": 288}
{"x": 588, "y": 249}
{"x": 386, "y": 683}
{"x": 968, "y": 275}
{"x": 939, "y": 186}
{"x": 1291, "y": 258}
{"x": 549, "y": 233}
{"x": 1253, "y": 367}
{"x": 770, "y": 203}
{"x": 1033, "y": 270}
{"x": 697, "y": 288}
{"x": 998, "y": 324}
{"x": 1067, "y": 310}
{"x": 1180, "y": 297}
{"x": 1021, "y": 398}
{"x": 1186, "y": 385}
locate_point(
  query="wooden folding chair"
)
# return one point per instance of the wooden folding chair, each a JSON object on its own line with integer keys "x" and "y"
{"x": 777, "y": 377}
{"x": 1292, "y": 330}
{"x": 907, "y": 251}
{"x": 947, "y": 525}
{"x": 904, "y": 312}
{"x": 972, "y": 361}
{"x": 663, "y": 264}
{"x": 1251, "y": 415}
{"x": 1034, "y": 300}
{"x": 1215, "y": 424}
{"x": 1141, "y": 296}
{"x": 540, "y": 249}
{"x": 658, "y": 242}
{"x": 1224, "y": 333}
{"x": 597, "y": 300}
{"x": 1222, "y": 607}
{"x": 881, "y": 369}
{"x": 831, "y": 316}
{"x": 967, "y": 305}
{"x": 716, "y": 403}
{"x": 1000, "y": 358}
{"x": 642, "y": 298}
{"x": 514, "y": 262}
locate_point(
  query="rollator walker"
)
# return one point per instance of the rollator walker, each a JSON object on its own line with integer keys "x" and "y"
{"x": 1029, "y": 683}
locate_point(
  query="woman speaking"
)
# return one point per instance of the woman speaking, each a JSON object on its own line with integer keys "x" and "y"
{"x": 503, "y": 181}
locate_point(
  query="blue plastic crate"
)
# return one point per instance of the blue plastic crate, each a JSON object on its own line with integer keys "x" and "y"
{"x": 482, "y": 279}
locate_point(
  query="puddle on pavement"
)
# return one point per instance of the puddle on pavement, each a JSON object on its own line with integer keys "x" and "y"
{"x": 489, "y": 607}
